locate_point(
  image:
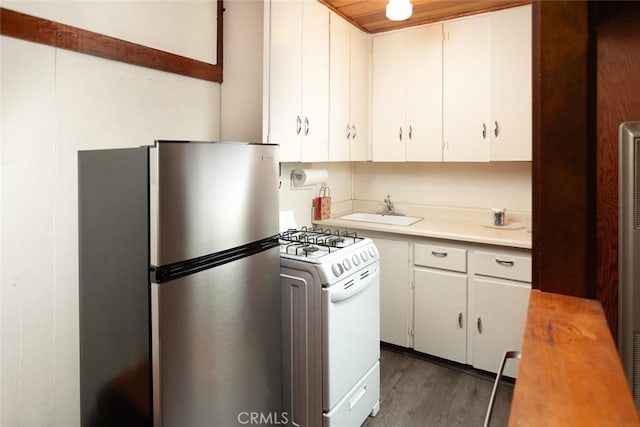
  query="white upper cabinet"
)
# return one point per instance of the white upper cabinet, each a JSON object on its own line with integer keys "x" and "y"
{"x": 360, "y": 101}
{"x": 407, "y": 95}
{"x": 466, "y": 89}
{"x": 348, "y": 91}
{"x": 487, "y": 87}
{"x": 424, "y": 93}
{"x": 457, "y": 91}
{"x": 389, "y": 92}
{"x": 315, "y": 82}
{"x": 298, "y": 82}
{"x": 339, "y": 89}
{"x": 511, "y": 84}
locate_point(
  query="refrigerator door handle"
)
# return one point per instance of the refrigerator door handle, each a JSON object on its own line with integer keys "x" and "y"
{"x": 160, "y": 274}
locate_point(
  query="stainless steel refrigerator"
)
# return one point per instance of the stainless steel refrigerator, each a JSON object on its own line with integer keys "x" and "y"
{"x": 179, "y": 285}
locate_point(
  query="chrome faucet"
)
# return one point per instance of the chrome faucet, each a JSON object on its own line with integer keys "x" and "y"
{"x": 388, "y": 203}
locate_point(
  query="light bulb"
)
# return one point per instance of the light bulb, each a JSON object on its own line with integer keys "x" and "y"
{"x": 399, "y": 10}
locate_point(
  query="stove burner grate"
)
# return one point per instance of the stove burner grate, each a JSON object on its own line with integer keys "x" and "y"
{"x": 309, "y": 249}
{"x": 309, "y": 240}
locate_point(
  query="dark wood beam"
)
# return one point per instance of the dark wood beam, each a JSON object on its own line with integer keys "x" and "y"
{"x": 55, "y": 34}
{"x": 563, "y": 152}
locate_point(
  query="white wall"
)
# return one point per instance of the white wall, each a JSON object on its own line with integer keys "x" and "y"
{"x": 464, "y": 185}
{"x": 242, "y": 85}
{"x": 299, "y": 201}
{"x": 54, "y": 103}
{"x": 468, "y": 185}
{"x": 190, "y": 23}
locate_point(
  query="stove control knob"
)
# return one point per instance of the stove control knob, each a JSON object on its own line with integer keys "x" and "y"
{"x": 337, "y": 270}
{"x": 364, "y": 256}
{"x": 372, "y": 252}
{"x": 356, "y": 260}
{"x": 347, "y": 264}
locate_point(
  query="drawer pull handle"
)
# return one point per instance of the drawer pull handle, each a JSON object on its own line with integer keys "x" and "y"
{"x": 460, "y": 320}
{"x": 439, "y": 254}
{"x": 358, "y": 396}
{"x": 505, "y": 262}
{"x": 479, "y": 325}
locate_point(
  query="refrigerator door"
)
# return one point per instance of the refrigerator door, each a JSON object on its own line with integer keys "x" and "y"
{"x": 216, "y": 344}
{"x": 208, "y": 197}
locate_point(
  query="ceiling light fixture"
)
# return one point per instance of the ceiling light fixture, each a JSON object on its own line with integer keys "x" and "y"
{"x": 399, "y": 10}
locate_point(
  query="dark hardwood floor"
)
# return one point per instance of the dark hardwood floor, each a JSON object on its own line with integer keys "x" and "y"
{"x": 419, "y": 391}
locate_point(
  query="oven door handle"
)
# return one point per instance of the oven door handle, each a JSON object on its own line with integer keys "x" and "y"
{"x": 355, "y": 289}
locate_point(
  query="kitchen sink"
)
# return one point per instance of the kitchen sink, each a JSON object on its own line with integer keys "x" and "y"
{"x": 381, "y": 218}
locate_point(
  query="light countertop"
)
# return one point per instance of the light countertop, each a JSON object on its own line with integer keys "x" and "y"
{"x": 459, "y": 224}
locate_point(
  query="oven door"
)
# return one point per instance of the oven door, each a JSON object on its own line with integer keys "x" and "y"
{"x": 351, "y": 333}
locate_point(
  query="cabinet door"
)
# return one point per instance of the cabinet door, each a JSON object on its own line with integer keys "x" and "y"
{"x": 339, "y": 89}
{"x": 315, "y": 82}
{"x": 424, "y": 93}
{"x": 360, "y": 54}
{"x": 440, "y": 314}
{"x": 285, "y": 78}
{"x": 466, "y": 89}
{"x": 394, "y": 292}
{"x": 389, "y": 91}
{"x": 499, "y": 310}
{"x": 511, "y": 84}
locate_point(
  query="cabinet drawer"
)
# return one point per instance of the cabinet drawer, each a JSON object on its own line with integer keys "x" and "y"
{"x": 441, "y": 257}
{"x": 504, "y": 266}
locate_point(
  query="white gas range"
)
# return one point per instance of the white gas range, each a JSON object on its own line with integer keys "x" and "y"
{"x": 331, "y": 299}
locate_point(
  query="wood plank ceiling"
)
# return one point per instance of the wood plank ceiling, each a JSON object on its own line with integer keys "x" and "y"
{"x": 369, "y": 15}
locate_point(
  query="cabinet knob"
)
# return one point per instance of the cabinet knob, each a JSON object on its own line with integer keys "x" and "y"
{"x": 484, "y": 131}
{"x": 306, "y": 126}
{"x": 496, "y": 129}
{"x": 348, "y": 131}
{"x": 460, "y": 320}
{"x": 354, "y": 132}
{"x": 479, "y": 325}
{"x": 410, "y": 131}
{"x": 400, "y": 135}
{"x": 505, "y": 262}
{"x": 299, "y": 125}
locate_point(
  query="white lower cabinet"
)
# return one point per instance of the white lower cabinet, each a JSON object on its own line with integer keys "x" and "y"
{"x": 498, "y": 311}
{"x": 395, "y": 295}
{"x": 499, "y": 290}
{"x": 460, "y": 301}
{"x": 440, "y": 314}
{"x": 440, "y": 300}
